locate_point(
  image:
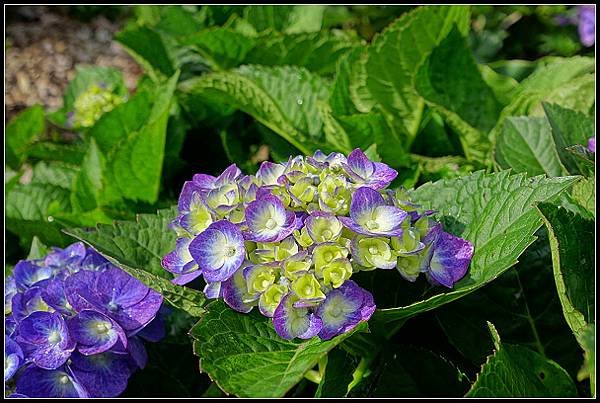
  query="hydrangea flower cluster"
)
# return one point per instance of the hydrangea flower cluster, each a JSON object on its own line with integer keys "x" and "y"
{"x": 75, "y": 325}
{"x": 289, "y": 238}
{"x": 592, "y": 144}
{"x": 91, "y": 104}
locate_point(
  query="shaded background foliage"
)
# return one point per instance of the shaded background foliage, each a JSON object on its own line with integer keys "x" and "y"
{"x": 245, "y": 84}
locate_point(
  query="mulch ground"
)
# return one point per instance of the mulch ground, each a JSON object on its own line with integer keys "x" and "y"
{"x": 44, "y": 44}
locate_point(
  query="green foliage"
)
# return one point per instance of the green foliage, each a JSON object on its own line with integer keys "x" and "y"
{"x": 21, "y": 132}
{"x": 515, "y": 371}
{"x": 244, "y": 356}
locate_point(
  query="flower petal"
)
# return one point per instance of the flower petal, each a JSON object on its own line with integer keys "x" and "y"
{"x": 102, "y": 375}
{"x": 36, "y": 382}
{"x": 291, "y": 322}
{"x": 94, "y": 332}
{"x": 450, "y": 259}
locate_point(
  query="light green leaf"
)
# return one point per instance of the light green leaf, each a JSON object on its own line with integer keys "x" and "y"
{"x": 516, "y": 371}
{"x": 38, "y": 250}
{"x": 395, "y": 55}
{"x": 502, "y": 86}
{"x": 70, "y": 153}
{"x": 138, "y": 248}
{"x": 21, "y": 132}
{"x": 315, "y": 51}
{"x": 244, "y": 356}
{"x": 569, "y": 128}
{"x": 340, "y": 98}
{"x": 496, "y": 213}
{"x": 224, "y": 47}
{"x": 449, "y": 80}
{"x": 526, "y": 145}
{"x": 133, "y": 168}
{"x": 88, "y": 184}
{"x": 572, "y": 246}
{"x": 285, "y": 18}
{"x": 282, "y": 98}
{"x": 584, "y": 193}
{"x": 547, "y": 83}
{"x": 588, "y": 342}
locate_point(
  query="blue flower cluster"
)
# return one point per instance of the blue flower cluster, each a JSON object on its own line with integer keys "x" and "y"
{"x": 75, "y": 325}
{"x": 288, "y": 239}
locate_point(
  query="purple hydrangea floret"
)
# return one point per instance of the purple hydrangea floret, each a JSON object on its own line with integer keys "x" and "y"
{"x": 75, "y": 324}
{"x": 288, "y": 239}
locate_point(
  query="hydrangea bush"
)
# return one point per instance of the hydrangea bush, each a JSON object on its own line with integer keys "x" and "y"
{"x": 75, "y": 325}
{"x": 288, "y": 239}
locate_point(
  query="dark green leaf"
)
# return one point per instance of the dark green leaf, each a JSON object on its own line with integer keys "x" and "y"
{"x": 515, "y": 371}
{"x": 526, "y": 145}
{"x": 244, "y": 356}
{"x": 21, "y": 133}
{"x": 338, "y": 374}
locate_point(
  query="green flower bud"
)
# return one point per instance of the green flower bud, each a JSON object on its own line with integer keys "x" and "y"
{"x": 337, "y": 272}
{"x": 285, "y": 249}
{"x": 325, "y": 253}
{"x": 334, "y": 195}
{"x": 409, "y": 267}
{"x": 270, "y": 299}
{"x": 259, "y": 278}
{"x": 303, "y": 238}
{"x": 91, "y": 104}
{"x": 297, "y": 265}
{"x": 373, "y": 252}
{"x": 307, "y": 287}
{"x": 407, "y": 243}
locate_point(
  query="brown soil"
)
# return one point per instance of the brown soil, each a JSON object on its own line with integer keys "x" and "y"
{"x": 43, "y": 46}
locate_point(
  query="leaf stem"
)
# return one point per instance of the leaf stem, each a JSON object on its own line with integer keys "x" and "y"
{"x": 538, "y": 342}
{"x": 313, "y": 376}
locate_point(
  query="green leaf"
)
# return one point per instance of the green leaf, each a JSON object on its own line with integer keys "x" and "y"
{"x": 572, "y": 246}
{"x": 569, "y": 128}
{"x": 285, "y": 18}
{"x": 148, "y": 47}
{"x": 584, "y": 193}
{"x": 244, "y": 356}
{"x": 406, "y": 371}
{"x": 21, "y": 133}
{"x": 502, "y": 86}
{"x": 449, "y": 80}
{"x": 70, "y": 153}
{"x": 224, "y": 47}
{"x": 138, "y": 244}
{"x": 316, "y": 51}
{"x": 38, "y": 250}
{"x": 496, "y": 213}
{"x": 515, "y": 371}
{"x": 88, "y": 184}
{"x": 526, "y": 145}
{"x": 588, "y": 342}
{"x": 134, "y": 166}
{"x": 138, "y": 248}
{"x": 282, "y": 98}
{"x": 340, "y": 98}
{"x": 549, "y": 83}
{"x": 395, "y": 55}
{"x": 338, "y": 374}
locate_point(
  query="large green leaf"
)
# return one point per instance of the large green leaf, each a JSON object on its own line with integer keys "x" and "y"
{"x": 224, "y": 47}
{"x": 496, "y": 213}
{"x": 584, "y": 193}
{"x": 449, "y": 80}
{"x": 395, "y": 55}
{"x": 138, "y": 248}
{"x": 244, "y": 356}
{"x": 285, "y": 18}
{"x": 88, "y": 184}
{"x": 572, "y": 245}
{"x": 21, "y": 132}
{"x": 338, "y": 374}
{"x": 515, "y": 371}
{"x": 282, "y": 98}
{"x": 148, "y": 47}
{"x": 30, "y": 207}
{"x": 134, "y": 165}
{"x": 526, "y": 145}
{"x": 553, "y": 82}
{"x": 569, "y": 128}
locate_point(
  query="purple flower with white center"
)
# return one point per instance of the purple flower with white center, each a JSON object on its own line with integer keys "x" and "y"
{"x": 219, "y": 250}
{"x": 27, "y": 273}
{"x": 45, "y": 339}
{"x": 344, "y": 308}
{"x": 37, "y": 382}
{"x": 291, "y": 322}
{"x": 269, "y": 172}
{"x": 363, "y": 171}
{"x": 587, "y": 24}
{"x": 70, "y": 256}
{"x": 592, "y": 144}
{"x": 102, "y": 375}
{"x": 181, "y": 263}
{"x": 53, "y": 294}
{"x": 94, "y": 332}
{"x": 369, "y": 215}
{"x": 13, "y": 357}
{"x": 268, "y": 220}
{"x": 24, "y": 303}
{"x": 447, "y": 258}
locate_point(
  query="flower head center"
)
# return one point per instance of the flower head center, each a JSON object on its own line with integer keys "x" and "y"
{"x": 103, "y": 327}
{"x": 372, "y": 225}
{"x": 373, "y": 250}
{"x": 328, "y": 256}
{"x": 327, "y": 234}
{"x": 271, "y": 223}
{"x": 54, "y": 337}
{"x": 230, "y": 251}
{"x": 64, "y": 379}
